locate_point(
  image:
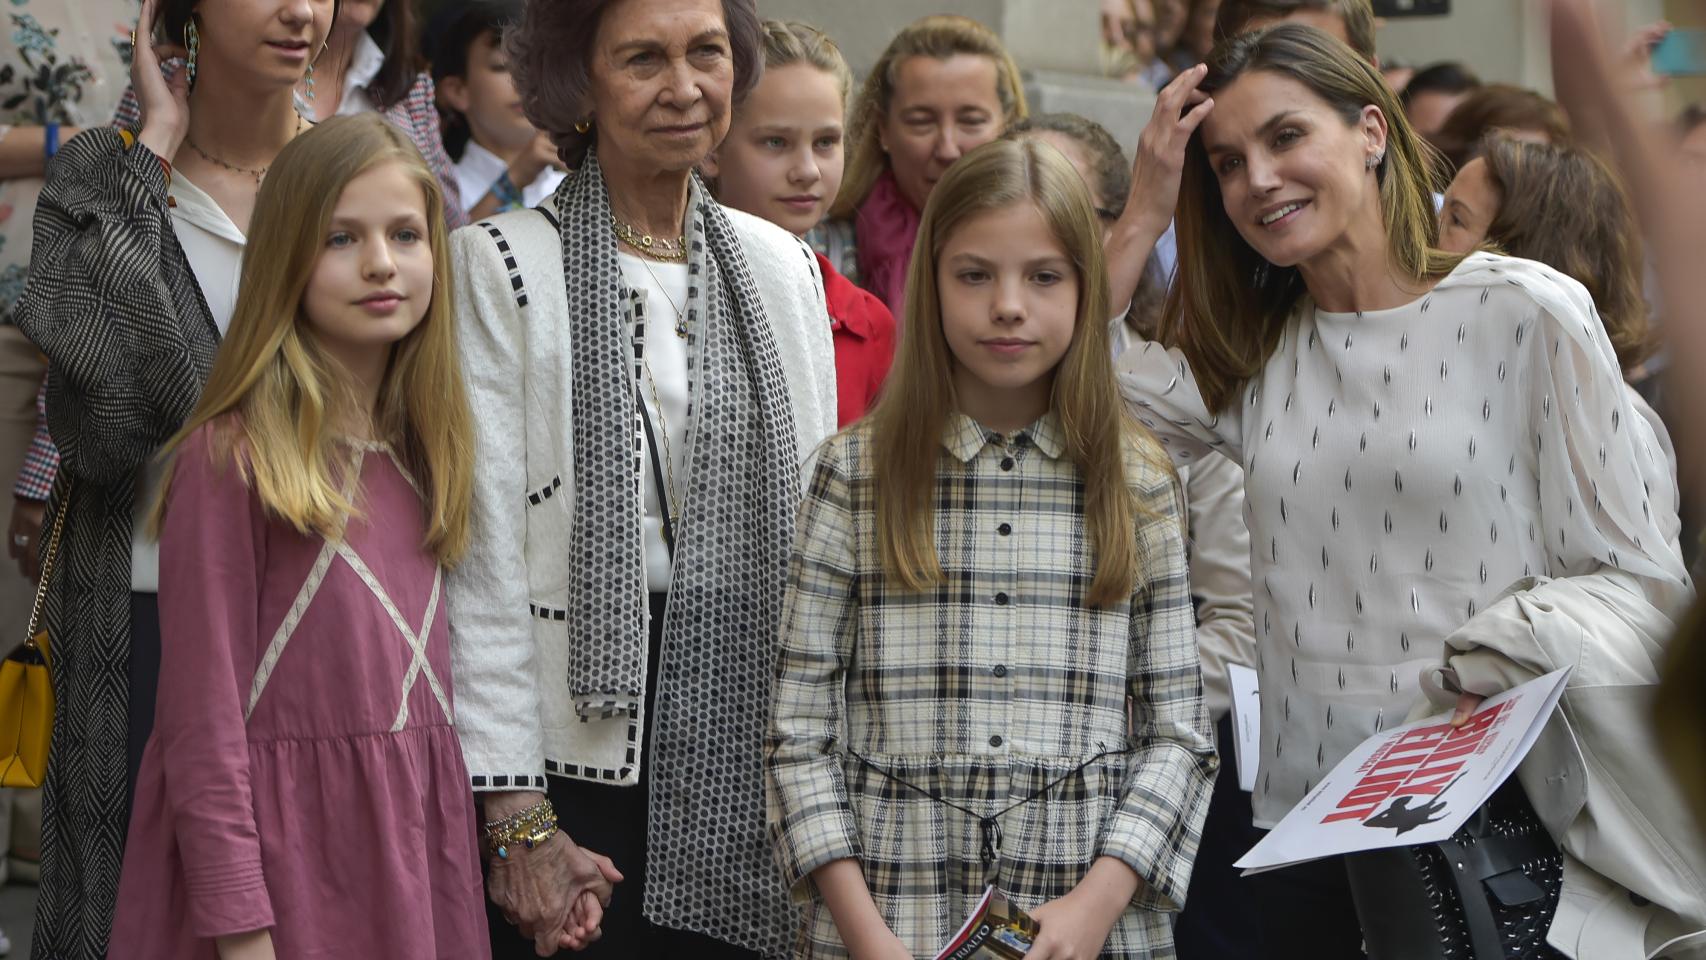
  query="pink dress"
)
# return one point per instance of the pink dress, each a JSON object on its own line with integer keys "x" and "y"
{"x": 304, "y": 774}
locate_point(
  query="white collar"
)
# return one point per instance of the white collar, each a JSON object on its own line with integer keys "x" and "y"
{"x": 192, "y": 205}
{"x": 478, "y": 161}
{"x": 364, "y": 65}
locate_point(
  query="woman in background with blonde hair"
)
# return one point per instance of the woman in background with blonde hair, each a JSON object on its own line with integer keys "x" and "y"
{"x": 944, "y": 86}
{"x": 308, "y": 510}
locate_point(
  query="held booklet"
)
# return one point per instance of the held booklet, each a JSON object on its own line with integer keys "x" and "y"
{"x": 996, "y": 930}
{"x": 1413, "y": 784}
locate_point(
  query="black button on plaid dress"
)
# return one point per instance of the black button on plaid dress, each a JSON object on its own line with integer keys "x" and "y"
{"x": 905, "y": 680}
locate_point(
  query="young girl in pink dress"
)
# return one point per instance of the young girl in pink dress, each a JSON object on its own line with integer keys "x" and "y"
{"x": 303, "y": 794}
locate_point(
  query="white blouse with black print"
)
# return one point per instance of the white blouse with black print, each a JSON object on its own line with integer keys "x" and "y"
{"x": 1402, "y": 468}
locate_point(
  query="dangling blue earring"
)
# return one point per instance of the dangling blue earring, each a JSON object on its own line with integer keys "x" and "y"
{"x": 309, "y": 93}
{"x": 192, "y": 43}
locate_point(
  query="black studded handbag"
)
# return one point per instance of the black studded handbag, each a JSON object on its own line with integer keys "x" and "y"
{"x": 1487, "y": 893}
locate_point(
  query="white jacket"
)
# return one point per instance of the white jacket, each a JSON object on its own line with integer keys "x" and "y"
{"x": 1635, "y": 861}
{"x": 1220, "y": 574}
{"x": 508, "y": 598}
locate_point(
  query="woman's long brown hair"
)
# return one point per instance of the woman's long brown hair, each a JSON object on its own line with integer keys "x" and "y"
{"x": 1563, "y": 207}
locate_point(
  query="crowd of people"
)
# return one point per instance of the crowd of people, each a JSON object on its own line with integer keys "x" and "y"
{"x": 578, "y": 475}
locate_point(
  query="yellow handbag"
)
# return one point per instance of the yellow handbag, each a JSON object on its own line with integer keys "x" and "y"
{"x": 26, "y": 687}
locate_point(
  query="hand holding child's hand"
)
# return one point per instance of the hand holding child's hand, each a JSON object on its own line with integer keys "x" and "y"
{"x": 584, "y": 925}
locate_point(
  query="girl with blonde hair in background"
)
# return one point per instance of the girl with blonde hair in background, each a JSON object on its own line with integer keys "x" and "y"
{"x": 783, "y": 160}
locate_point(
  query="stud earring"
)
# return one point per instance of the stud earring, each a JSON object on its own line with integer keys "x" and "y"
{"x": 192, "y": 43}
{"x": 584, "y": 127}
{"x": 1376, "y": 159}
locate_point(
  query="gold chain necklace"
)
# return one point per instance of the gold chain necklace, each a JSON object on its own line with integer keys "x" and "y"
{"x": 259, "y": 174}
{"x": 672, "y": 251}
{"x": 673, "y": 492}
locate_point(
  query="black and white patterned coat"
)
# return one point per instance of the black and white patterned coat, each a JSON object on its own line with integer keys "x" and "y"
{"x": 709, "y": 868}
{"x": 507, "y": 598}
{"x": 112, "y": 301}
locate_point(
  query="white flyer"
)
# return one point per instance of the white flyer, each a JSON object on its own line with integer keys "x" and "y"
{"x": 1246, "y": 723}
{"x": 1412, "y": 784}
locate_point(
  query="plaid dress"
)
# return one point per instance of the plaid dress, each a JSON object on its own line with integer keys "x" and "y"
{"x": 984, "y": 691}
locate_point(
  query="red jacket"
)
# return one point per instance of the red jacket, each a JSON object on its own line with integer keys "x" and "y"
{"x": 864, "y": 343}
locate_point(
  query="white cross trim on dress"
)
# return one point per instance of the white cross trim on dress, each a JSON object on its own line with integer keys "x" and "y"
{"x": 417, "y": 640}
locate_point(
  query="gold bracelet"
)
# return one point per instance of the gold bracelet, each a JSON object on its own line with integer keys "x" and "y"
{"x": 530, "y": 827}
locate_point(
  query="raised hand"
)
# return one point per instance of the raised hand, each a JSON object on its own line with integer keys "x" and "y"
{"x": 165, "y": 102}
{"x": 1179, "y": 110}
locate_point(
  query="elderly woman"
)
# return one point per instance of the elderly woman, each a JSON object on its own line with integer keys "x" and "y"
{"x": 1420, "y": 431}
{"x": 650, "y": 370}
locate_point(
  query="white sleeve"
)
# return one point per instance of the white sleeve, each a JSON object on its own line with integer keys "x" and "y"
{"x": 491, "y": 631}
{"x": 1161, "y": 391}
{"x": 1593, "y": 451}
{"x": 1220, "y": 575}
{"x": 821, "y": 343}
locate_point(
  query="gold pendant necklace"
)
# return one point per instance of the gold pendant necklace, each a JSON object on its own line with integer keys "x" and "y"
{"x": 673, "y": 507}
{"x": 680, "y": 312}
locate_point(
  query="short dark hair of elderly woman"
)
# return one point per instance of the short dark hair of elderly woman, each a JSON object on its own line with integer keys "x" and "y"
{"x": 550, "y": 53}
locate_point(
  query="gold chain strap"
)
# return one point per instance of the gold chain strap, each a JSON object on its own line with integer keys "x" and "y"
{"x": 47, "y": 564}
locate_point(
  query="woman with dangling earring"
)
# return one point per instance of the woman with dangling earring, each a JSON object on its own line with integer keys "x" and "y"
{"x": 139, "y": 237}
{"x": 369, "y": 61}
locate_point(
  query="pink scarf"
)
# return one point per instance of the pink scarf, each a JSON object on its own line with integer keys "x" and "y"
{"x": 887, "y": 228}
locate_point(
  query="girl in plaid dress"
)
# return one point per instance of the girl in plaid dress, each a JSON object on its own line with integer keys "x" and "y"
{"x": 987, "y": 570}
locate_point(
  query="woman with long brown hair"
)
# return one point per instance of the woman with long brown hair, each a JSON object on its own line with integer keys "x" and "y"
{"x": 1419, "y": 429}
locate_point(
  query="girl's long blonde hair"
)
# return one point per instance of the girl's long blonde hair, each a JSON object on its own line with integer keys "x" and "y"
{"x": 287, "y": 396}
{"x": 908, "y": 422}
{"x": 939, "y": 37}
